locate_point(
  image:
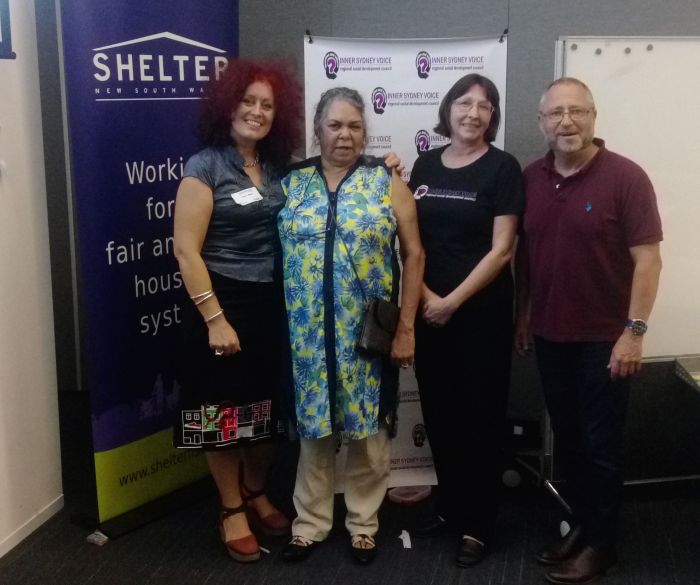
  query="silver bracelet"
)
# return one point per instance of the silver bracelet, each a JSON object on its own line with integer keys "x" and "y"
{"x": 195, "y": 297}
{"x": 206, "y": 297}
{"x": 214, "y": 316}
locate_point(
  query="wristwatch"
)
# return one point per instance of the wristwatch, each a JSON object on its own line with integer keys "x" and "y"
{"x": 637, "y": 326}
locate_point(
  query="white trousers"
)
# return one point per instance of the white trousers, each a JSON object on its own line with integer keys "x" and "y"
{"x": 366, "y": 482}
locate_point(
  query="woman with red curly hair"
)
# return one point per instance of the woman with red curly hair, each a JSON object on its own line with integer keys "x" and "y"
{"x": 228, "y": 250}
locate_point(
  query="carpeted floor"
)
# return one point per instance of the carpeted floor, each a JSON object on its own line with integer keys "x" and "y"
{"x": 659, "y": 546}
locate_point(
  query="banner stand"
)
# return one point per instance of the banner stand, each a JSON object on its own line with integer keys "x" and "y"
{"x": 132, "y": 77}
{"x": 155, "y": 509}
{"x": 78, "y": 474}
{"x": 77, "y": 461}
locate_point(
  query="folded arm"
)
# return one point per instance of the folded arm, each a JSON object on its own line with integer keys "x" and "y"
{"x": 439, "y": 310}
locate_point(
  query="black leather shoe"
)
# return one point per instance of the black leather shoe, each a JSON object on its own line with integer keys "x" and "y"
{"x": 433, "y": 527}
{"x": 586, "y": 566}
{"x": 363, "y": 549}
{"x": 563, "y": 549}
{"x": 469, "y": 552}
{"x": 298, "y": 549}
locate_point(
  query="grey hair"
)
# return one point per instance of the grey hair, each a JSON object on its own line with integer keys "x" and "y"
{"x": 568, "y": 81}
{"x": 344, "y": 94}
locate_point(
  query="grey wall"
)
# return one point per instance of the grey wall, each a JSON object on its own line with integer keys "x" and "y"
{"x": 275, "y": 28}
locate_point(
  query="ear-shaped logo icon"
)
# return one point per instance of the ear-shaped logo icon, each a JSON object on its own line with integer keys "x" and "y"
{"x": 422, "y": 141}
{"x": 330, "y": 64}
{"x": 423, "y": 64}
{"x": 418, "y": 435}
{"x": 379, "y": 99}
{"x": 420, "y": 192}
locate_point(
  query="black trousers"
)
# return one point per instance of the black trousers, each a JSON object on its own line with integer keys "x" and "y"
{"x": 587, "y": 411}
{"x": 463, "y": 372}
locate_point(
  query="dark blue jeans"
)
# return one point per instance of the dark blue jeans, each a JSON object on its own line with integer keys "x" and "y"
{"x": 587, "y": 411}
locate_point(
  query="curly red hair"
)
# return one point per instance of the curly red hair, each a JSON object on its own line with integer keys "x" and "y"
{"x": 224, "y": 94}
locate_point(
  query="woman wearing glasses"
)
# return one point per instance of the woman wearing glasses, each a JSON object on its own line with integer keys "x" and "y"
{"x": 468, "y": 196}
{"x": 338, "y": 228}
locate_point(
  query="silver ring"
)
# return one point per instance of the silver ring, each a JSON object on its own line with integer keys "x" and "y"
{"x": 218, "y": 352}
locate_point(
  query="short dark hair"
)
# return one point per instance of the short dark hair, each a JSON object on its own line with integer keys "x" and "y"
{"x": 224, "y": 94}
{"x": 461, "y": 87}
{"x": 337, "y": 94}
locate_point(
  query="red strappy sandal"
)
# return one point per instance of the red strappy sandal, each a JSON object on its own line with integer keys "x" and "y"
{"x": 245, "y": 549}
{"x": 274, "y": 524}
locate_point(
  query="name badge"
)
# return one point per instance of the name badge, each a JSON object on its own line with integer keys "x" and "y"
{"x": 247, "y": 196}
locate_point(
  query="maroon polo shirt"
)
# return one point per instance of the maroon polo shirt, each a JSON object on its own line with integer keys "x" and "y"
{"x": 578, "y": 231}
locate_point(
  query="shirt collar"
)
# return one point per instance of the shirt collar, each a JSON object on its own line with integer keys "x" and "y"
{"x": 548, "y": 160}
{"x": 235, "y": 156}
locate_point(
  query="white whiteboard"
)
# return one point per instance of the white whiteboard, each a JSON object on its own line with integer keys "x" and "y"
{"x": 647, "y": 93}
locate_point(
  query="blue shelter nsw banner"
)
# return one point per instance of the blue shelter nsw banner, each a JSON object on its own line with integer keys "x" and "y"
{"x": 135, "y": 74}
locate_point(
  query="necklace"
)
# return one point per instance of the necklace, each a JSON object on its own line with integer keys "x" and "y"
{"x": 255, "y": 162}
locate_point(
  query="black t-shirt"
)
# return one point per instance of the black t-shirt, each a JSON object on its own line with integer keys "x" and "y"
{"x": 456, "y": 208}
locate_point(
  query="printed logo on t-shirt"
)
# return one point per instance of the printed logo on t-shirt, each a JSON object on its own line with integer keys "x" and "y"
{"x": 420, "y": 192}
{"x": 425, "y": 191}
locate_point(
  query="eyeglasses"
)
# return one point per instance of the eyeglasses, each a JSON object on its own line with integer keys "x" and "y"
{"x": 575, "y": 115}
{"x": 483, "y": 108}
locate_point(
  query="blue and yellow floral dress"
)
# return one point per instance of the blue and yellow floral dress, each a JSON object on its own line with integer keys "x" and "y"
{"x": 337, "y": 389}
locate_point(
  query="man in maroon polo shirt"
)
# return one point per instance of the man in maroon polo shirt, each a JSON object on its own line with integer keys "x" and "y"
{"x": 588, "y": 270}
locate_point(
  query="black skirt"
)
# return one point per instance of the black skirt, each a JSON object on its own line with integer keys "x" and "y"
{"x": 234, "y": 400}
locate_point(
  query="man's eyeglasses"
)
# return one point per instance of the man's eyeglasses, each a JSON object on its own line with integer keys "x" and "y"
{"x": 483, "y": 108}
{"x": 575, "y": 115}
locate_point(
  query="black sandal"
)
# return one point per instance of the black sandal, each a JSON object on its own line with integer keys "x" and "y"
{"x": 298, "y": 549}
{"x": 363, "y": 548}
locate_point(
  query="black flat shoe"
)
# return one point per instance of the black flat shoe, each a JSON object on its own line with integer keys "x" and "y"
{"x": 469, "y": 552}
{"x": 298, "y": 549}
{"x": 433, "y": 527}
{"x": 363, "y": 549}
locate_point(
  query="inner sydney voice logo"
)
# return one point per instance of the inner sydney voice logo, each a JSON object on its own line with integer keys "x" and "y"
{"x": 423, "y": 64}
{"x": 331, "y": 64}
{"x": 379, "y": 100}
{"x": 422, "y": 141}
